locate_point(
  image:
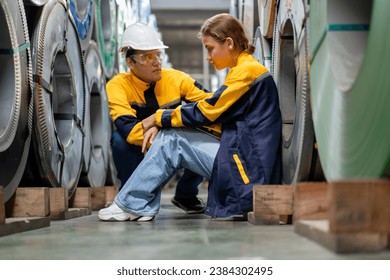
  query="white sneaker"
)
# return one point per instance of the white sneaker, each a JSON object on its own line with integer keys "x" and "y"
{"x": 114, "y": 213}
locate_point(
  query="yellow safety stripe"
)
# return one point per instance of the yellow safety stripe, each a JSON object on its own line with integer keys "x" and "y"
{"x": 241, "y": 169}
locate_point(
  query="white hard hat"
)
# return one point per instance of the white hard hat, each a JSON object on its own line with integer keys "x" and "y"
{"x": 140, "y": 36}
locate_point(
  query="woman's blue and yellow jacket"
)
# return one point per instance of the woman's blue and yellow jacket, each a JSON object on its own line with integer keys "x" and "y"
{"x": 247, "y": 106}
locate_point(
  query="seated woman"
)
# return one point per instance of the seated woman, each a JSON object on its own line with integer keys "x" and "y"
{"x": 246, "y": 107}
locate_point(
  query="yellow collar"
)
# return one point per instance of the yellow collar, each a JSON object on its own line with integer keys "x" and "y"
{"x": 138, "y": 82}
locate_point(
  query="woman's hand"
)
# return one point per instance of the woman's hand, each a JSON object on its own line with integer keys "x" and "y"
{"x": 149, "y": 136}
{"x": 148, "y": 123}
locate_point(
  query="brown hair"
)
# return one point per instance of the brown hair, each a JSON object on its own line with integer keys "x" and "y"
{"x": 225, "y": 25}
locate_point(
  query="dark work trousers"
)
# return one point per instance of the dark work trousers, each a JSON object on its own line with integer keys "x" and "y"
{"x": 127, "y": 157}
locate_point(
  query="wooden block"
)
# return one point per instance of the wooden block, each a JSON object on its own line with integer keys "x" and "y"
{"x": 81, "y": 198}
{"x": 103, "y": 196}
{"x": 273, "y": 200}
{"x": 263, "y": 219}
{"x": 388, "y": 241}
{"x": 2, "y": 209}
{"x": 98, "y": 198}
{"x": 59, "y": 201}
{"x": 111, "y": 192}
{"x": 359, "y": 206}
{"x": 319, "y": 232}
{"x": 286, "y": 219}
{"x": 29, "y": 202}
{"x": 72, "y": 213}
{"x": 357, "y": 214}
{"x": 311, "y": 201}
{"x": 15, "y": 225}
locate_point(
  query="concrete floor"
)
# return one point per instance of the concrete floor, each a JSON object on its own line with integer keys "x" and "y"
{"x": 172, "y": 235}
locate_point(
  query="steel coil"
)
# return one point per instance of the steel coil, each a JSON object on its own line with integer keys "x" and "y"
{"x": 266, "y": 11}
{"x": 15, "y": 99}
{"x": 350, "y": 87}
{"x": 135, "y": 10}
{"x": 233, "y": 8}
{"x": 59, "y": 94}
{"x": 105, "y": 34}
{"x": 291, "y": 74}
{"x": 263, "y": 49}
{"x": 97, "y": 121}
{"x": 82, "y": 13}
{"x": 124, "y": 19}
{"x": 144, "y": 11}
{"x": 246, "y": 13}
{"x": 37, "y": 3}
{"x": 112, "y": 179}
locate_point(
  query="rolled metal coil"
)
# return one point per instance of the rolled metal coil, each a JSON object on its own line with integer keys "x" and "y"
{"x": 233, "y": 8}
{"x": 266, "y": 11}
{"x": 105, "y": 34}
{"x": 246, "y": 13}
{"x": 153, "y": 21}
{"x": 15, "y": 96}
{"x": 59, "y": 97}
{"x": 97, "y": 124}
{"x": 82, "y": 13}
{"x": 135, "y": 10}
{"x": 350, "y": 87}
{"x": 124, "y": 19}
{"x": 291, "y": 74}
{"x": 37, "y": 3}
{"x": 144, "y": 11}
{"x": 263, "y": 49}
{"x": 112, "y": 179}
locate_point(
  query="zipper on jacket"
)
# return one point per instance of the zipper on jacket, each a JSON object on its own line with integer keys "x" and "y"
{"x": 241, "y": 169}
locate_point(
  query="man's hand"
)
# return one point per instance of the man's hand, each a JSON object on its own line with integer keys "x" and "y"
{"x": 149, "y": 136}
{"x": 148, "y": 123}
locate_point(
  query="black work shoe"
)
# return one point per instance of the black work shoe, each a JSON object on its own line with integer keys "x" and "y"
{"x": 190, "y": 206}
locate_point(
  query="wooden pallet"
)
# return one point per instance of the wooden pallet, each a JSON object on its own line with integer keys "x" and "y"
{"x": 344, "y": 216}
{"x": 272, "y": 205}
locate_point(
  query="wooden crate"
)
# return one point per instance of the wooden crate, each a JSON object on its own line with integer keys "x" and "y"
{"x": 344, "y": 216}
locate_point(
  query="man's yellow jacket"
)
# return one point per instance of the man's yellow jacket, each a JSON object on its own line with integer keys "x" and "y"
{"x": 131, "y": 99}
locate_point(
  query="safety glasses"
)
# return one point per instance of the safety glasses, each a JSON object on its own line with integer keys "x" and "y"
{"x": 148, "y": 58}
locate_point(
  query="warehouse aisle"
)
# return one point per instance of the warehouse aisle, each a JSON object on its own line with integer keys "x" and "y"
{"x": 172, "y": 235}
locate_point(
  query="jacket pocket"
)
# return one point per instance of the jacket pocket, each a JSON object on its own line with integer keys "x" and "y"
{"x": 241, "y": 169}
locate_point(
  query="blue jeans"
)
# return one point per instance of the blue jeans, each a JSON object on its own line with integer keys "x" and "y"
{"x": 171, "y": 150}
{"x": 127, "y": 157}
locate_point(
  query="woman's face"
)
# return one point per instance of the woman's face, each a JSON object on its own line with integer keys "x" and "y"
{"x": 219, "y": 55}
